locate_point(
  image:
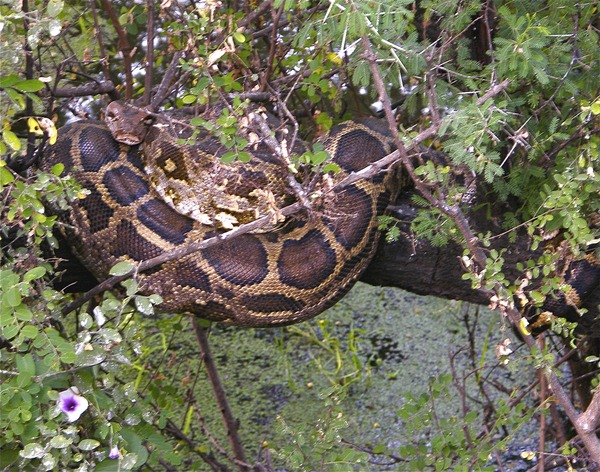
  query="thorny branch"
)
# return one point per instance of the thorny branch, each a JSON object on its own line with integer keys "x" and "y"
{"x": 584, "y": 423}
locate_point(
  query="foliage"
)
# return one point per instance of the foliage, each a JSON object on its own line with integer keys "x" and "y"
{"x": 535, "y": 142}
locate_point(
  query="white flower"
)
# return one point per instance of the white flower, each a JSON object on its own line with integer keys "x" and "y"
{"x": 72, "y": 404}
{"x": 503, "y": 351}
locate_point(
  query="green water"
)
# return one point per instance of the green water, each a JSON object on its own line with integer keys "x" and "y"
{"x": 277, "y": 377}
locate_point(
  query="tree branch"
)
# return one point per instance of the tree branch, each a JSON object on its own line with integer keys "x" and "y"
{"x": 585, "y": 423}
{"x": 220, "y": 396}
{"x": 149, "y": 66}
{"x": 91, "y": 88}
{"x": 98, "y": 35}
{"x": 164, "y": 89}
{"x": 124, "y": 47}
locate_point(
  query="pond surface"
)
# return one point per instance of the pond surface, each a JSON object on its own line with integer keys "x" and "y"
{"x": 359, "y": 361}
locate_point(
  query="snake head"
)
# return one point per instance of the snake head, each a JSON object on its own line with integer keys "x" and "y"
{"x": 128, "y": 124}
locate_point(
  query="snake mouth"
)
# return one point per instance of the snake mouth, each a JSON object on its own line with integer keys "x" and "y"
{"x": 127, "y": 138}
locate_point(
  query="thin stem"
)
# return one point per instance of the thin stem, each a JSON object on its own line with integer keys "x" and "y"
{"x": 149, "y": 52}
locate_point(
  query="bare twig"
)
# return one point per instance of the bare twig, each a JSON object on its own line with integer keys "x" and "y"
{"x": 165, "y": 87}
{"x": 149, "y": 66}
{"x": 542, "y": 425}
{"x": 282, "y": 155}
{"x": 495, "y": 90}
{"x": 124, "y": 47}
{"x": 256, "y": 13}
{"x": 220, "y": 396}
{"x": 100, "y": 40}
{"x": 28, "y": 75}
{"x": 275, "y": 17}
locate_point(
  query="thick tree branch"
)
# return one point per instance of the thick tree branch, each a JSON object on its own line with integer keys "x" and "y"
{"x": 91, "y": 88}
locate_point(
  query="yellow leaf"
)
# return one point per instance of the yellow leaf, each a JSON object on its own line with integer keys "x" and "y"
{"x": 523, "y": 327}
{"x": 333, "y": 57}
{"x": 43, "y": 126}
{"x": 34, "y": 126}
{"x": 528, "y": 455}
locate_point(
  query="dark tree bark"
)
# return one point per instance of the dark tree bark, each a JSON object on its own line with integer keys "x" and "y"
{"x": 418, "y": 266}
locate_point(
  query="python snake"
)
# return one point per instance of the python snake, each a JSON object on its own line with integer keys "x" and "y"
{"x": 286, "y": 274}
{"x": 149, "y": 195}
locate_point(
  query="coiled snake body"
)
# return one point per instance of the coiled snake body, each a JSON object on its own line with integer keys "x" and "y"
{"x": 287, "y": 274}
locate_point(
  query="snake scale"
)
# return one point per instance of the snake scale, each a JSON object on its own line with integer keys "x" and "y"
{"x": 285, "y": 274}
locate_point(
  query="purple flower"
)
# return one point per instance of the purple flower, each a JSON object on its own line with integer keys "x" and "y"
{"x": 114, "y": 453}
{"x": 72, "y": 404}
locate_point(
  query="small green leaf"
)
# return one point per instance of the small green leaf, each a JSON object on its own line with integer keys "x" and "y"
{"x": 88, "y": 444}
{"x": 131, "y": 287}
{"x": 122, "y": 268}
{"x": 144, "y": 305}
{"x": 25, "y": 364}
{"x": 29, "y": 332}
{"x": 58, "y": 169}
{"x": 319, "y": 157}
{"x": 331, "y": 167}
{"x": 239, "y": 37}
{"x": 60, "y": 442}
{"x": 8, "y": 80}
{"x": 197, "y": 121}
{"x": 228, "y": 157}
{"x": 31, "y": 85}
{"x": 6, "y": 176}
{"x": 11, "y": 139}
{"x": 23, "y": 313}
{"x": 537, "y": 297}
{"x": 12, "y": 297}
{"x": 189, "y": 99}
{"x": 32, "y": 451}
{"x": 33, "y": 274}
{"x": 54, "y": 8}
{"x": 10, "y": 332}
{"x": 244, "y": 156}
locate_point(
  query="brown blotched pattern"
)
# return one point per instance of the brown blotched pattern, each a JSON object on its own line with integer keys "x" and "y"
{"x": 288, "y": 274}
